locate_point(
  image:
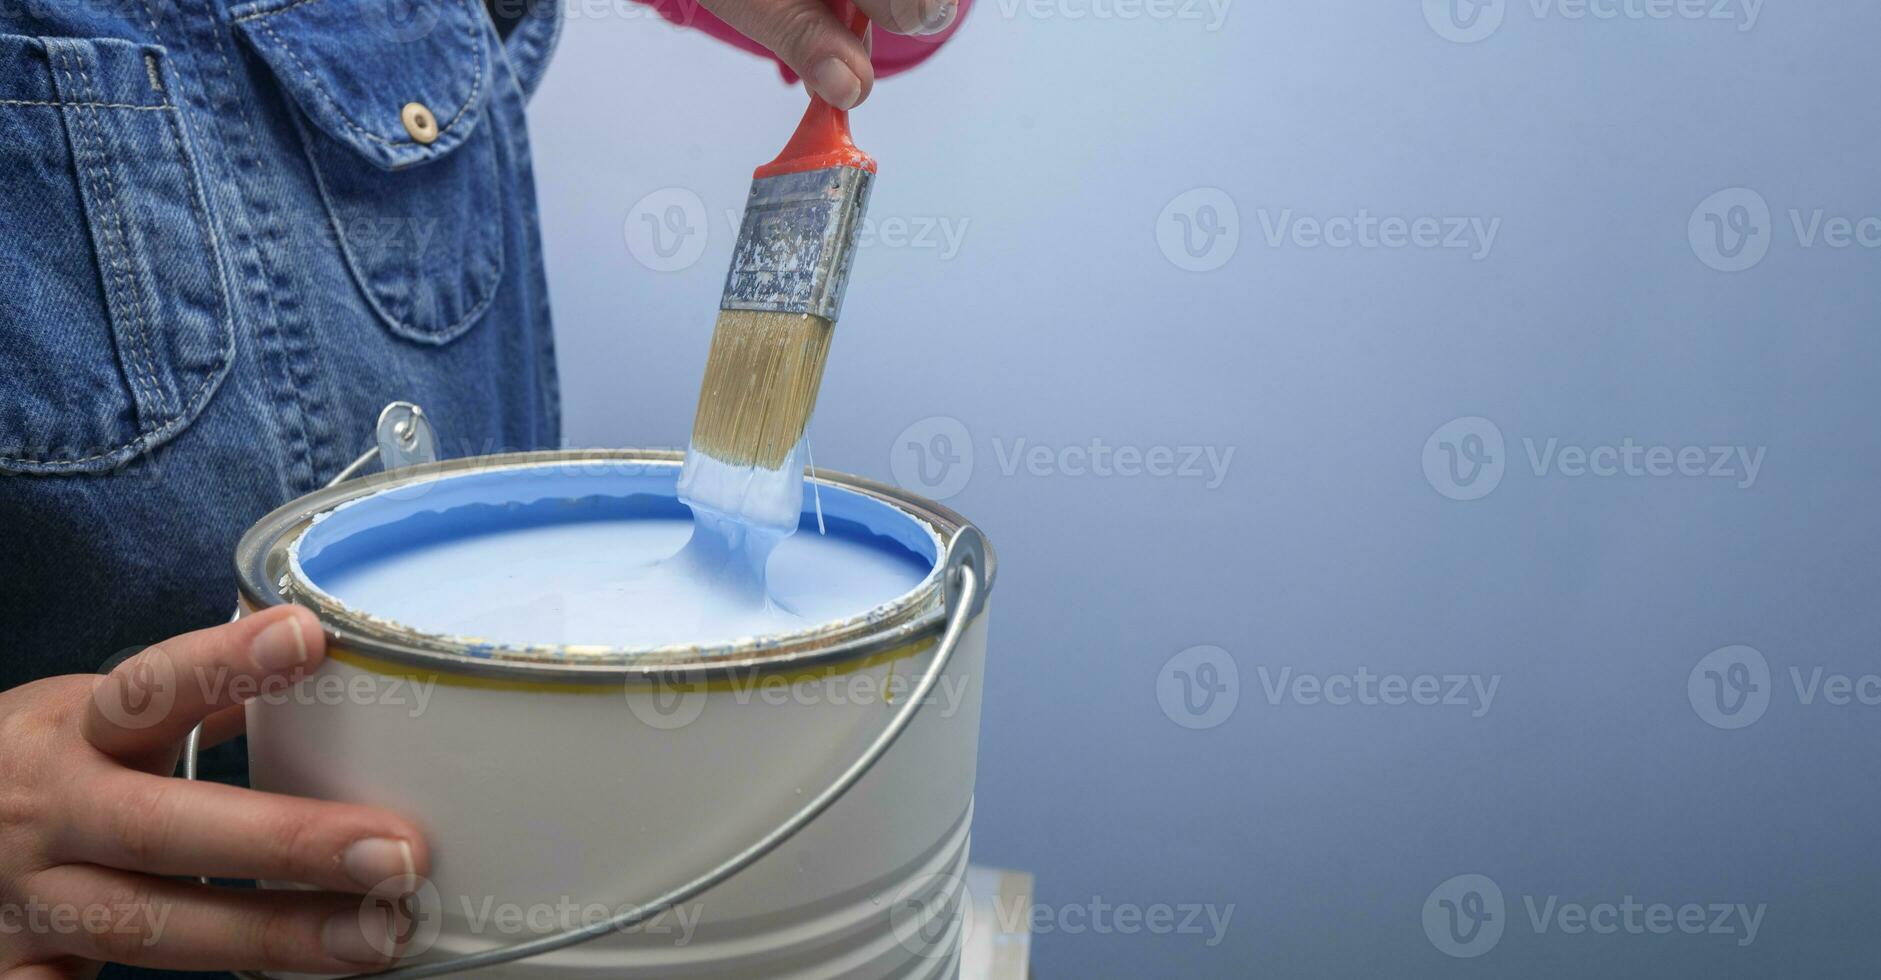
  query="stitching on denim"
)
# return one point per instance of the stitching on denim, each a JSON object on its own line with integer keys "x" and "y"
{"x": 131, "y": 278}
{"x": 205, "y": 222}
{"x": 63, "y": 60}
{"x": 140, "y": 321}
{"x": 476, "y": 88}
{"x": 89, "y": 105}
{"x": 259, "y": 14}
{"x": 108, "y": 227}
{"x": 319, "y": 90}
{"x": 109, "y": 269}
{"x": 518, "y": 51}
{"x": 294, "y": 427}
{"x": 523, "y": 51}
{"x": 135, "y": 445}
{"x": 540, "y": 48}
{"x": 198, "y": 204}
{"x": 437, "y": 335}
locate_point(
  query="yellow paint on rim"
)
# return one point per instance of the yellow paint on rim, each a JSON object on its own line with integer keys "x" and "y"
{"x": 447, "y": 678}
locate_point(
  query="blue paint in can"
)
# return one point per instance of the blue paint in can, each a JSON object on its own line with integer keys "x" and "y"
{"x": 596, "y": 555}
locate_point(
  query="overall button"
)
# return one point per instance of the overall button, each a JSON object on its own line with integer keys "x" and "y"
{"x": 420, "y": 123}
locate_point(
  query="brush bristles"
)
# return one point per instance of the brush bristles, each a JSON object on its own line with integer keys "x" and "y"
{"x": 760, "y": 387}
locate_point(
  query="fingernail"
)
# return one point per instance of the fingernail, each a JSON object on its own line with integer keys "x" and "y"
{"x": 362, "y": 937}
{"x": 940, "y": 17}
{"x": 376, "y": 860}
{"x": 280, "y": 646}
{"x": 836, "y": 83}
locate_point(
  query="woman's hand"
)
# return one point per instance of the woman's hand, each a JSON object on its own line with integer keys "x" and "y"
{"x": 808, "y": 38}
{"x": 95, "y": 834}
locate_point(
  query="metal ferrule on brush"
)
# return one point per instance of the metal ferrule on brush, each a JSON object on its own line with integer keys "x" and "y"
{"x": 797, "y": 241}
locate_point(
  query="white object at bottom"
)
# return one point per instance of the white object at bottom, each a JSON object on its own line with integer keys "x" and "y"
{"x": 542, "y": 805}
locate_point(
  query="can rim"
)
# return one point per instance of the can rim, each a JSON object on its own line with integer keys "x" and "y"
{"x": 261, "y": 555}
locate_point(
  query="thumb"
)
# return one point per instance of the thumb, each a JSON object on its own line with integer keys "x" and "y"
{"x": 808, "y": 38}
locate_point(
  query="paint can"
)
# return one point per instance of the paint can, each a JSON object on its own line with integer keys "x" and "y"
{"x": 560, "y": 783}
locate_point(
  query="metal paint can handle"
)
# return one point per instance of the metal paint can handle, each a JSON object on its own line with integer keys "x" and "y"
{"x": 403, "y": 436}
{"x": 963, "y": 596}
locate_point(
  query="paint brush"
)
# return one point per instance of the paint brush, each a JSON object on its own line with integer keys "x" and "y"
{"x": 789, "y": 269}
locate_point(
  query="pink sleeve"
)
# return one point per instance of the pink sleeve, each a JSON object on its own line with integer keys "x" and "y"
{"x": 893, "y": 52}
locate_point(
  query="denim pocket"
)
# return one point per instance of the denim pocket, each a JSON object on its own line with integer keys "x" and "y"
{"x": 115, "y": 328}
{"x": 417, "y": 220}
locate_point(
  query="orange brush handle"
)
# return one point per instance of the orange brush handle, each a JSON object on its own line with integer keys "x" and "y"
{"x": 822, "y": 138}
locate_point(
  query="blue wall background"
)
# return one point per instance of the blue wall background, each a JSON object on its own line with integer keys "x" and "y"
{"x": 1358, "y": 529}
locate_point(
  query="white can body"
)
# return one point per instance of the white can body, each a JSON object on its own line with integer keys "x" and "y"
{"x": 545, "y": 807}
{"x": 549, "y": 805}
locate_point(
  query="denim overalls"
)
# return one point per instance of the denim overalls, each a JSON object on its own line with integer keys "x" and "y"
{"x": 233, "y": 232}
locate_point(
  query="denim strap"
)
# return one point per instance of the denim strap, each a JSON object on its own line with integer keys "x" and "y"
{"x": 78, "y": 78}
{"x": 532, "y": 42}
